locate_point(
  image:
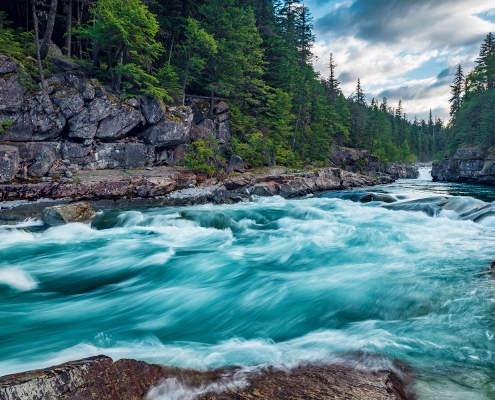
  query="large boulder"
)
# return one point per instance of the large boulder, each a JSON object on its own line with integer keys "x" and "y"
{"x": 44, "y": 158}
{"x": 221, "y": 107}
{"x": 203, "y": 130}
{"x": 68, "y": 213}
{"x": 120, "y": 155}
{"x": 223, "y": 134}
{"x": 11, "y": 93}
{"x": 178, "y": 154}
{"x": 82, "y": 125}
{"x": 236, "y": 164}
{"x": 7, "y": 64}
{"x": 75, "y": 152}
{"x": 69, "y": 103}
{"x": 9, "y": 163}
{"x": 116, "y": 126}
{"x": 152, "y": 109}
{"x": 173, "y": 129}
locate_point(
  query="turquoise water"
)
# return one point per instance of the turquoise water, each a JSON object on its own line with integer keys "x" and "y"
{"x": 269, "y": 282}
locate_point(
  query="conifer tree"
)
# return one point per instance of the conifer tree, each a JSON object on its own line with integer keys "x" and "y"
{"x": 456, "y": 91}
{"x": 359, "y": 96}
{"x": 332, "y": 83}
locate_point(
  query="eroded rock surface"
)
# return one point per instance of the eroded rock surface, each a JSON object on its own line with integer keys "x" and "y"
{"x": 67, "y": 213}
{"x": 101, "y": 378}
{"x": 9, "y": 163}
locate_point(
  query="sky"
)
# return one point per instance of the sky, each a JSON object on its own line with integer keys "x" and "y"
{"x": 401, "y": 49}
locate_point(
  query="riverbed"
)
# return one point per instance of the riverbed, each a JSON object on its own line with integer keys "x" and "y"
{"x": 273, "y": 281}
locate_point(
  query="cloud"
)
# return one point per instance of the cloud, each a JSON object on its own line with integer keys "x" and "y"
{"x": 404, "y": 49}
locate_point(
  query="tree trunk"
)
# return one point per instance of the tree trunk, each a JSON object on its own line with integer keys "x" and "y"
{"x": 37, "y": 44}
{"x": 45, "y": 44}
{"x": 68, "y": 27}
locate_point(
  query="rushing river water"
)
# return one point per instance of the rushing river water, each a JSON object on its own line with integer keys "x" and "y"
{"x": 269, "y": 282}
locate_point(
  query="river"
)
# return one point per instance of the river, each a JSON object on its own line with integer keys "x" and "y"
{"x": 273, "y": 281}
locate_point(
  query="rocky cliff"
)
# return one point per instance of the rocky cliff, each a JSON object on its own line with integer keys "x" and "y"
{"x": 78, "y": 125}
{"x": 468, "y": 165}
{"x": 101, "y": 378}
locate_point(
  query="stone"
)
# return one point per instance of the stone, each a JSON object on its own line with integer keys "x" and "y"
{"x": 43, "y": 161}
{"x": 132, "y": 102}
{"x": 236, "y": 164}
{"x": 63, "y": 65}
{"x": 101, "y": 108}
{"x": 155, "y": 186}
{"x": 153, "y": 109}
{"x": 75, "y": 152}
{"x": 221, "y": 108}
{"x": 69, "y": 104}
{"x": 138, "y": 155}
{"x": 223, "y": 135}
{"x": 222, "y": 118}
{"x": 7, "y": 64}
{"x": 82, "y": 125}
{"x": 9, "y": 163}
{"x": 118, "y": 125}
{"x": 11, "y": 94}
{"x": 173, "y": 129}
{"x": 204, "y": 130}
{"x": 385, "y": 198}
{"x": 68, "y": 213}
{"x": 68, "y": 174}
{"x": 178, "y": 154}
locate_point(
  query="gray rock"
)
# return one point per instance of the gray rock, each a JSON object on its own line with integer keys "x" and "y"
{"x": 190, "y": 196}
{"x": 204, "y": 130}
{"x": 178, "y": 154}
{"x": 120, "y": 155}
{"x": 68, "y": 174}
{"x": 9, "y": 163}
{"x": 137, "y": 155}
{"x": 68, "y": 213}
{"x": 69, "y": 104}
{"x": 44, "y": 159}
{"x": 223, "y": 135}
{"x": 11, "y": 94}
{"x": 63, "y": 65}
{"x": 152, "y": 109}
{"x": 222, "y": 118}
{"x": 118, "y": 125}
{"x": 75, "y": 152}
{"x": 7, "y": 64}
{"x": 101, "y": 108}
{"x": 173, "y": 129}
{"x": 221, "y": 108}
{"x": 82, "y": 125}
{"x": 236, "y": 163}
{"x": 132, "y": 102}
{"x": 82, "y": 85}
{"x": 162, "y": 156}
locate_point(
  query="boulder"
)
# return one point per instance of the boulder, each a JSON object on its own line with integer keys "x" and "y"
{"x": 7, "y": 64}
{"x": 178, "y": 154}
{"x": 11, "y": 94}
{"x": 75, "y": 152}
{"x": 173, "y": 129}
{"x": 152, "y": 109}
{"x": 69, "y": 104}
{"x": 63, "y": 65}
{"x": 223, "y": 135}
{"x": 82, "y": 125}
{"x": 101, "y": 108}
{"x": 120, "y": 155}
{"x": 43, "y": 161}
{"x": 203, "y": 130}
{"x": 220, "y": 108}
{"x": 221, "y": 118}
{"x": 82, "y": 85}
{"x": 68, "y": 213}
{"x": 118, "y": 125}
{"x": 236, "y": 164}
{"x": 9, "y": 163}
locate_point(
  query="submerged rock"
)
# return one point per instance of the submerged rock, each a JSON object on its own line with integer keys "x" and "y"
{"x": 101, "y": 378}
{"x": 67, "y": 213}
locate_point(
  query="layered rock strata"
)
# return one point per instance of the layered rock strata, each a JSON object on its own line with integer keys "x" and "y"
{"x": 101, "y": 378}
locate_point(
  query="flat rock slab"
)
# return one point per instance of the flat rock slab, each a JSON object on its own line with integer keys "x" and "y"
{"x": 101, "y": 378}
{"x": 67, "y": 213}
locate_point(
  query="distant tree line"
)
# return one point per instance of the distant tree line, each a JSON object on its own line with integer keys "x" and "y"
{"x": 256, "y": 53}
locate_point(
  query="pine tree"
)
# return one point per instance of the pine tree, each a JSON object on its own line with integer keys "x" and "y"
{"x": 332, "y": 83}
{"x": 359, "y": 96}
{"x": 456, "y": 91}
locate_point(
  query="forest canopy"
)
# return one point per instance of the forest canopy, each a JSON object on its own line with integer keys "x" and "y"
{"x": 255, "y": 53}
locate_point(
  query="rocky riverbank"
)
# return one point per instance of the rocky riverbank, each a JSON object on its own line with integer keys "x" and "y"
{"x": 468, "y": 165}
{"x": 99, "y": 377}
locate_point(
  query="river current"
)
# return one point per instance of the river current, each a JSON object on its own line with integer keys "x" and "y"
{"x": 273, "y": 281}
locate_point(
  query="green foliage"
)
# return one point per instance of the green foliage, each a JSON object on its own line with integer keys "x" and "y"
{"x": 256, "y": 151}
{"x": 5, "y": 124}
{"x": 200, "y": 155}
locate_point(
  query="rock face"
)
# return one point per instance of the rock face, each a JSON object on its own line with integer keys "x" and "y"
{"x": 469, "y": 165}
{"x": 9, "y": 163}
{"x": 360, "y": 161}
{"x": 101, "y": 378}
{"x": 67, "y": 213}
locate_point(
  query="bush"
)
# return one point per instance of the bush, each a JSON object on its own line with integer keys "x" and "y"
{"x": 200, "y": 155}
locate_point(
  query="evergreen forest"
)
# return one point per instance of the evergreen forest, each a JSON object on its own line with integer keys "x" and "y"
{"x": 257, "y": 55}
